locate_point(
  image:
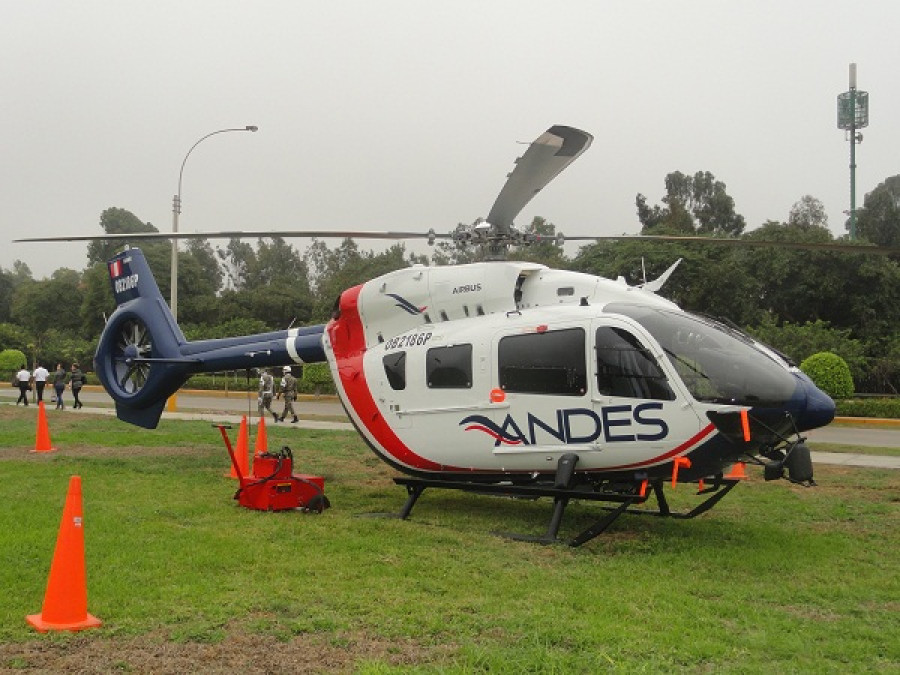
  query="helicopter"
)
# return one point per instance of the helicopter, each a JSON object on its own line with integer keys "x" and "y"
{"x": 504, "y": 377}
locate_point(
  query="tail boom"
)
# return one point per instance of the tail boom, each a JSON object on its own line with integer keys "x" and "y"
{"x": 143, "y": 357}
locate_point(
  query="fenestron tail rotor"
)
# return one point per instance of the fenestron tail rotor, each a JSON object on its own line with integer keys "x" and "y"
{"x": 133, "y": 342}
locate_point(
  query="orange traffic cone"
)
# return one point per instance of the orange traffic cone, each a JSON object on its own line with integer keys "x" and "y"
{"x": 262, "y": 442}
{"x": 737, "y": 471}
{"x": 65, "y": 601}
{"x": 42, "y": 440}
{"x": 241, "y": 449}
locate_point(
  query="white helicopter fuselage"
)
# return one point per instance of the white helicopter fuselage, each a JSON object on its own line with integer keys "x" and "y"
{"x": 502, "y": 367}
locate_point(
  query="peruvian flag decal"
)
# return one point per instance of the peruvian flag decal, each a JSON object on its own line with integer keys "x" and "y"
{"x": 115, "y": 269}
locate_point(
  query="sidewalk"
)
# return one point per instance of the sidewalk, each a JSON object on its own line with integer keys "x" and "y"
{"x": 854, "y": 459}
{"x": 230, "y": 418}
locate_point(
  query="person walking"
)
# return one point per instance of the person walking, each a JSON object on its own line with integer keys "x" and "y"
{"x": 40, "y": 381}
{"x": 23, "y": 380}
{"x": 289, "y": 392}
{"x": 60, "y": 378}
{"x": 76, "y": 377}
{"x": 266, "y": 392}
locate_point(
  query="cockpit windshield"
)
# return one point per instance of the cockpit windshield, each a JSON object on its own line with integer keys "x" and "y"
{"x": 716, "y": 364}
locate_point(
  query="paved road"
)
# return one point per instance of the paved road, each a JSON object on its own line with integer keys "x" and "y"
{"x": 867, "y": 436}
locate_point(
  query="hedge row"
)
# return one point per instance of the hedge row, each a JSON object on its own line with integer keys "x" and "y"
{"x": 316, "y": 379}
{"x": 885, "y": 408}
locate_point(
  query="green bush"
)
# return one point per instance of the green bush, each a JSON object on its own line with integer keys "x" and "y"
{"x": 10, "y": 362}
{"x": 830, "y": 373}
{"x": 317, "y": 377}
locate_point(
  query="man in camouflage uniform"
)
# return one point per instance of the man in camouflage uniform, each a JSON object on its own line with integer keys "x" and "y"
{"x": 289, "y": 391}
{"x": 266, "y": 392}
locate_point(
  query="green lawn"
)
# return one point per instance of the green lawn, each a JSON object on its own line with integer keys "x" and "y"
{"x": 776, "y": 578}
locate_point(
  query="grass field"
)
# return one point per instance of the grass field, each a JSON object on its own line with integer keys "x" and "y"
{"x": 777, "y": 578}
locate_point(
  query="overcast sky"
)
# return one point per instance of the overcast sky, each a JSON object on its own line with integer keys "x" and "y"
{"x": 407, "y": 114}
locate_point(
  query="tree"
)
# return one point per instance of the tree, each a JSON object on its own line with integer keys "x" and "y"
{"x": 270, "y": 284}
{"x": 794, "y": 285}
{"x": 49, "y": 305}
{"x": 97, "y": 301}
{"x": 332, "y": 271}
{"x": 879, "y": 219}
{"x": 21, "y": 273}
{"x": 237, "y": 259}
{"x": 13, "y": 336}
{"x": 545, "y": 251}
{"x": 695, "y": 204}
{"x": 116, "y": 220}
{"x": 7, "y": 286}
{"x": 808, "y": 213}
{"x": 709, "y": 280}
{"x": 55, "y": 302}
{"x": 202, "y": 257}
{"x": 800, "y": 341}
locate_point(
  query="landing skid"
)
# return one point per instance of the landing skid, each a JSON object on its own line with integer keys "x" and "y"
{"x": 625, "y": 501}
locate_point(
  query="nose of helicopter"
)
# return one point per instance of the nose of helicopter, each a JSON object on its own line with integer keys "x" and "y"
{"x": 816, "y": 408}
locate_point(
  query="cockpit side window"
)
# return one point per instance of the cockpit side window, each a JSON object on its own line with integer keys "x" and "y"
{"x": 549, "y": 362}
{"x": 449, "y": 367}
{"x": 625, "y": 367}
{"x": 717, "y": 364}
{"x": 395, "y": 370}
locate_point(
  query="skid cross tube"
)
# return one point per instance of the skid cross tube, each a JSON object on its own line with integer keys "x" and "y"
{"x": 562, "y": 496}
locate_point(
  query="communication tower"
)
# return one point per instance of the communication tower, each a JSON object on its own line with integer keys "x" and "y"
{"x": 852, "y": 115}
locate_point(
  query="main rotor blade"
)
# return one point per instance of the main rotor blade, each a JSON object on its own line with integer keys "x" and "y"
{"x": 543, "y": 161}
{"x": 243, "y": 234}
{"x": 846, "y": 247}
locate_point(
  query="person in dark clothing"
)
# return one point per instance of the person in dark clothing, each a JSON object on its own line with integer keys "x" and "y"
{"x": 76, "y": 377}
{"x": 60, "y": 378}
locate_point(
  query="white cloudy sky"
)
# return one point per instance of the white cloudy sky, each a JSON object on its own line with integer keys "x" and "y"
{"x": 406, "y": 114}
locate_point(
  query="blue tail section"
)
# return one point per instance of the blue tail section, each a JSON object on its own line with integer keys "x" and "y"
{"x": 143, "y": 357}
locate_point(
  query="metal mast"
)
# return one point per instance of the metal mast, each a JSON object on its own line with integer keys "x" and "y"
{"x": 853, "y": 114}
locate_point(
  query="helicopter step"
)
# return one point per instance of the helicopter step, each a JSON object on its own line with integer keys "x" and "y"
{"x": 626, "y": 496}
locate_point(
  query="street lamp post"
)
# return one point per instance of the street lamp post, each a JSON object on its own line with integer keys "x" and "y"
{"x": 176, "y": 209}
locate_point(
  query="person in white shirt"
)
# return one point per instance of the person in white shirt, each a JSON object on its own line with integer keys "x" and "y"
{"x": 40, "y": 381}
{"x": 23, "y": 379}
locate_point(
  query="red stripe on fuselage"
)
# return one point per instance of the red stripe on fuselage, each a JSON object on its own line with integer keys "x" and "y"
{"x": 348, "y": 343}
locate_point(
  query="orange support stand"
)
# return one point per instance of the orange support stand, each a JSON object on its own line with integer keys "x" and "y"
{"x": 65, "y": 601}
{"x": 745, "y": 425}
{"x": 677, "y": 464}
{"x": 643, "y": 491}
